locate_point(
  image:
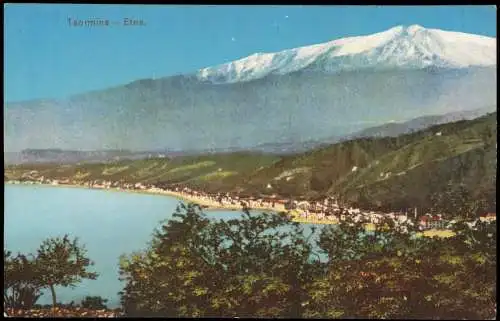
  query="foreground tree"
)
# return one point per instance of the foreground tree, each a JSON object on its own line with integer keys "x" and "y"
{"x": 263, "y": 265}
{"x": 21, "y": 282}
{"x": 387, "y": 274}
{"x": 62, "y": 262}
{"x": 254, "y": 266}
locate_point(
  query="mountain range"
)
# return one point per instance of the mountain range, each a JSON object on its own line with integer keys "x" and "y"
{"x": 409, "y": 170}
{"x": 392, "y": 129}
{"x": 395, "y": 129}
{"x": 297, "y": 95}
{"x": 59, "y": 156}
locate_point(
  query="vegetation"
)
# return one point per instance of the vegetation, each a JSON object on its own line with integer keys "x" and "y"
{"x": 248, "y": 267}
{"x": 58, "y": 262}
{"x": 94, "y": 302}
{"x": 391, "y": 173}
{"x": 264, "y": 266}
{"x": 21, "y": 285}
{"x": 62, "y": 262}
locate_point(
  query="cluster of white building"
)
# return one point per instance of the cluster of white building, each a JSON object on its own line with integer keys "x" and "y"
{"x": 330, "y": 210}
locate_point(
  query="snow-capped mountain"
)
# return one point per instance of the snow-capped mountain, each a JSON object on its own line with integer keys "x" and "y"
{"x": 399, "y": 47}
{"x": 299, "y": 95}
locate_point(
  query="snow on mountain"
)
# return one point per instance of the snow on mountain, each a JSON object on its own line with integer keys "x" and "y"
{"x": 400, "y": 47}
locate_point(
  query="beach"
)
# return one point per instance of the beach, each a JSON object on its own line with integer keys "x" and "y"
{"x": 207, "y": 204}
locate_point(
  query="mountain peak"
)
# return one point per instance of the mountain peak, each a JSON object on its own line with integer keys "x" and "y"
{"x": 399, "y": 47}
{"x": 409, "y": 28}
{"x": 415, "y": 28}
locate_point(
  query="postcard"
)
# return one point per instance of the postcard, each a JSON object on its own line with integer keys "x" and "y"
{"x": 284, "y": 161}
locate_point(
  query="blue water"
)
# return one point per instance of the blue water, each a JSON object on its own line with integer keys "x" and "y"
{"x": 108, "y": 223}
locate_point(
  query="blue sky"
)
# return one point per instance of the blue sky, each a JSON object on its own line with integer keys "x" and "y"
{"x": 47, "y": 58}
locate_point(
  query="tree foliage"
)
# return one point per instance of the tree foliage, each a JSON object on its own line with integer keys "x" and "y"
{"x": 400, "y": 275}
{"x": 263, "y": 265}
{"x": 94, "y": 302}
{"x": 21, "y": 284}
{"x": 456, "y": 200}
{"x": 254, "y": 266}
{"x": 62, "y": 262}
{"x": 58, "y": 262}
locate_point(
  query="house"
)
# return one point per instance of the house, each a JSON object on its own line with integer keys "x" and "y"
{"x": 401, "y": 218}
{"x": 437, "y": 222}
{"x": 451, "y": 223}
{"x": 355, "y": 211}
{"x": 304, "y": 205}
{"x": 315, "y": 209}
{"x": 423, "y": 222}
{"x": 488, "y": 217}
{"x": 431, "y": 222}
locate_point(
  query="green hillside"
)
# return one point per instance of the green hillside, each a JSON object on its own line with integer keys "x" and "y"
{"x": 392, "y": 172}
{"x": 205, "y": 170}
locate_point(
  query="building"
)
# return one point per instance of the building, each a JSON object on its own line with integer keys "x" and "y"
{"x": 488, "y": 217}
{"x": 304, "y": 205}
{"x": 437, "y": 222}
{"x": 431, "y": 222}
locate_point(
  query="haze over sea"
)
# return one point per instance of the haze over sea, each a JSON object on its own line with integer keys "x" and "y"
{"x": 108, "y": 223}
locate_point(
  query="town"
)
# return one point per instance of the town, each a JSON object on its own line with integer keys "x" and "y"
{"x": 326, "y": 211}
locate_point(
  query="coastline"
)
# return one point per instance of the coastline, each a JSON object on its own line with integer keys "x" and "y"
{"x": 208, "y": 206}
{"x": 177, "y": 195}
{"x": 213, "y": 206}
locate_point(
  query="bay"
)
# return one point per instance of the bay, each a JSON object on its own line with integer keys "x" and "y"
{"x": 108, "y": 223}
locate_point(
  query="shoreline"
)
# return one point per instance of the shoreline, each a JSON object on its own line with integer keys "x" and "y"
{"x": 176, "y": 195}
{"x": 207, "y": 206}
{"x": 210, "y": 207}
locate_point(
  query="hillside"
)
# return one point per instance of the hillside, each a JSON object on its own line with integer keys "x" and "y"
{"x": 393, "y": 172}
{"x": 417, "y": 170}
{"x": 394, "y": 129}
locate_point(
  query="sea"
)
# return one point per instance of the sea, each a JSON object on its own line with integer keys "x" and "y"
{"x": 109, "y": 223}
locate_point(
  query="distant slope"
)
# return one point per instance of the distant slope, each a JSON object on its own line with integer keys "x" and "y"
{"x": 59, "y": 156}
{"x": 419, "y": 123}
{"x": 389, "y": 172}
{"x": 392, "y": 129}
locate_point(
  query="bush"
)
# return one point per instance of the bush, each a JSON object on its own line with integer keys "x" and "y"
{"x": 21, "y": 282}
{"x": 94, "y": 303}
